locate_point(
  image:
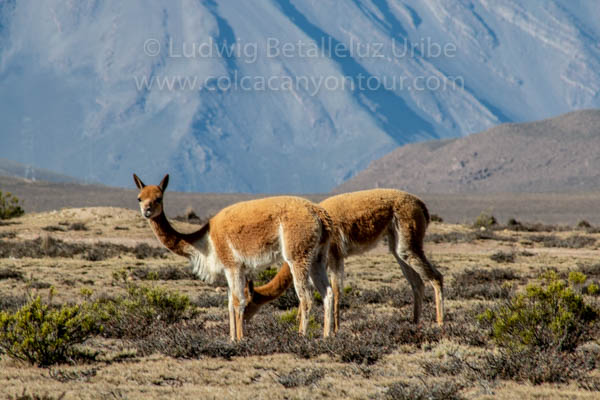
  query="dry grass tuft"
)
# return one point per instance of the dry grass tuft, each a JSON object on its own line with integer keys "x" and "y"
{"x": 432, "y": 390}
{"x": 301, "y": 377}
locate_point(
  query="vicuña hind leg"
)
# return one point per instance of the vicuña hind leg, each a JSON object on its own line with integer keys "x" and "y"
{"x": 318, "y": 274}
{"x": 300, "y": 277}
{"x": 414, "y": 279}
{"x": 416, "y": 258}
{"x": 417, "y": 285}
{"x": 237, "y": 302}
{"x": 336, "y": 270}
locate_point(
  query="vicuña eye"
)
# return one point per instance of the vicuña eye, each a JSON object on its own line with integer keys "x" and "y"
{"x": 139, "y": 199}
{"x": 159, "y": 200}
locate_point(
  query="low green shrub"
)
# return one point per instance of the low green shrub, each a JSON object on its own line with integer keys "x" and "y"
{"x": 45, "y": 335}
{"x": 265, "y": 276}
{"x": 548, "y": 316}
{"x": 287, "y": 300}
{"x": 292, "y": 320}
{"x": 9, "y": 206}
{"x": 485, "y": 220}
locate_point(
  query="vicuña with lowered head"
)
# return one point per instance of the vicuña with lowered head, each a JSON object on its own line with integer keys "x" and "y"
{"x": 251, "y": 234}
{"x": 361, "y": 219}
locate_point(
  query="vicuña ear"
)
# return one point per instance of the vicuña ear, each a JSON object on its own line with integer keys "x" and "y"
{"x": 138, "y": 182}
{"x": 164, "y": 183}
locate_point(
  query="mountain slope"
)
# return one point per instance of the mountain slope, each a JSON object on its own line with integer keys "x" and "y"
{"x": 97, "y": 90}
{"x": 18, "y": 170}
{"x": 553, "y": 155}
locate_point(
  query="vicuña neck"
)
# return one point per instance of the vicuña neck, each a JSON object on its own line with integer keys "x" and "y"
{"x": 179, "y": 243}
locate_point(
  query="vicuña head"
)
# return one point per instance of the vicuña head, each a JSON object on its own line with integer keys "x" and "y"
{"x": 150, "y": 197}
{"x": 252, "y": 234}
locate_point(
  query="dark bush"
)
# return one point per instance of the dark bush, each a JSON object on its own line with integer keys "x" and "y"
{"x": 583, "y": 224}
{"x": 143, "y": 250}
{"x": 165, "y": 273}
{"x": 573, "y": 242}
{"x": 12, "y": 303}
{"x": 436, "y": 218}
{"x": 301, "y": 377}
{"x": 367, "y": 338}
{"x": 451, "y": 366}
{"x": 191, "y": 217}
{"x": 383, "y": 295}
{"x": 48, "y": 246}
{"x": 466, "y": 237}
{"x": 534, "y": 365}
{"x": 592, "y": 271}
{"x": 9, "y": 273}
{"x": 503, "y": 257}
{"x": 473, "y": 276}
{"x": 208, "y": 301}
{"x": 518, "y": 226}
{"x": 77, "y": 226}
{"x": 53, "y": 228}
{"x": 489, "y": 291}
{"x": 26, "y": 396}
{"x": 140, "y": 310}
{"x": 35, "y": 284}
{"x": 443, "y": 390}
{"x": 481, "y": 283}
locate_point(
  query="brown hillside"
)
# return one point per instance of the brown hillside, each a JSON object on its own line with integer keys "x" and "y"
{"x": 555, "y": 155}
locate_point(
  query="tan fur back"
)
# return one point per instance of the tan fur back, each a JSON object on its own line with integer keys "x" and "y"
{"x": 253, "y": 226}
{"x": 364, "y": 216}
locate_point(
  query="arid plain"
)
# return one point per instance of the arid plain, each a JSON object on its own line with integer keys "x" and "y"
{"x": 89, "y": 253}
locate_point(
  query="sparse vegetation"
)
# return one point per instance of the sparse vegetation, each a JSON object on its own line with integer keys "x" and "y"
{"x": 132, "y": 315}
{"x": 166, "y": 273}
{"x": 44, "y": 335}
{"x": 485, "y": 220}
{"x": 444, "y": 390}
{"x": 10, "y": 206}
{"x": 49, "y": 246}
{"x": 549, "y": 316}
{"x": 466, "y": 237}
{"x": 572, "y": 242}
{"x": 518, "y": 226}
{"x": 11, "y": 273}
{"x": 301, "y": 377}
{"x": 287, "y": 300}
{"x": 583, "y": 224}
{"x": 503, "y": 257}
{"x": 157, "y": 310}
{"x": 436, "y": 218}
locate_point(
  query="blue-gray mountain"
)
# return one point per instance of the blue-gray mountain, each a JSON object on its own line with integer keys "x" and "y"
{"x": 277, "y": 96}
